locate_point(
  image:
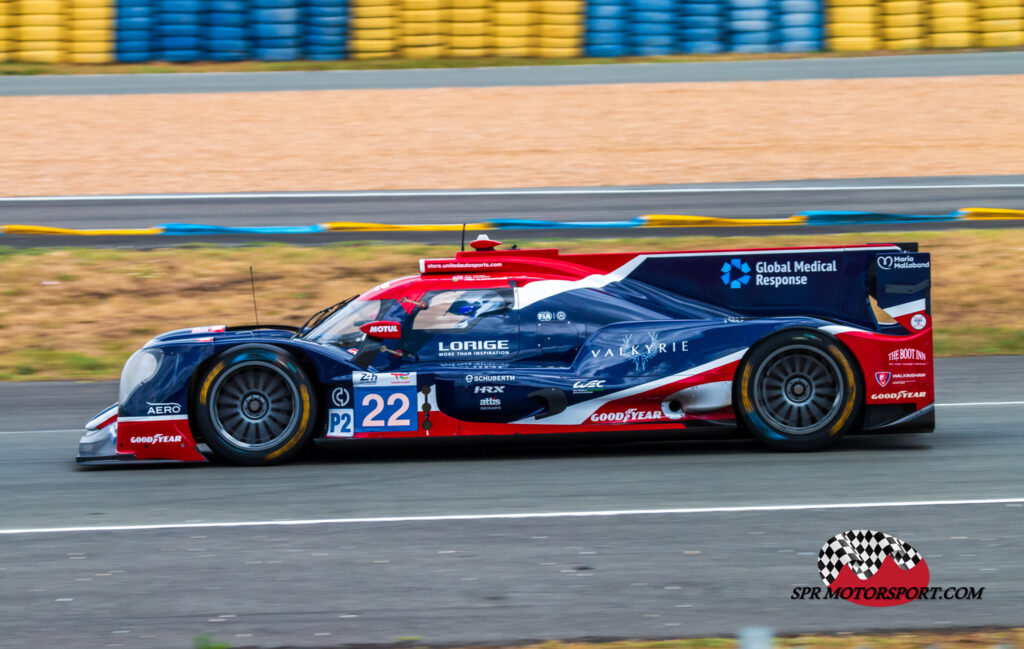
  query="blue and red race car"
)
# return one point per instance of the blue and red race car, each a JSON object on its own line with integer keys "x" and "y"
{"x": 795, "y": 346}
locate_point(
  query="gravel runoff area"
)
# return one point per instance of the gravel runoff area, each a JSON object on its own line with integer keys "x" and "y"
{"x": 634, "y": 134}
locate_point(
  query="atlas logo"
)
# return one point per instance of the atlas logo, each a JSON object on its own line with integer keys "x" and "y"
{"x": 489, "y": 389}
{"x": 163, "y": 409}
{"x": 490, "y": 403}
{"x": 872, "y": 568}
{"x": 883, "y": 378}
{"x": 735, "y": 273}
{"x": 156, "y": 439}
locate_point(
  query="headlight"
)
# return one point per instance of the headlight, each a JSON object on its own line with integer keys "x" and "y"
{"x": 140, "y": 368}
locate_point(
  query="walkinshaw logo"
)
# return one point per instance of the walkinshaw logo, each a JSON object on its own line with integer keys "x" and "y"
{"x": 641, "y": 353}
{"x": 736, "y": 272}
{"x": 156, "y": 439}
{"x": 873, "y": 568}
{"x": 883, "y": 378}
{"x": 626, "y": 416}
{"x": 472, "y": 348}
{"x": 163, "y": 409}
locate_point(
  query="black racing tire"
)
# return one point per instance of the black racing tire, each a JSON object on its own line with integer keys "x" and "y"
{"x": 255, "y": 405}
{"x": 798, "y": 390}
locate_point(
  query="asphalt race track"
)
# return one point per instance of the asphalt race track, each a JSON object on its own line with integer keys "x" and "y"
{"x": 744, "y": 530}
{"x": 927, "y": 65}
{"x": 929, "y": 195}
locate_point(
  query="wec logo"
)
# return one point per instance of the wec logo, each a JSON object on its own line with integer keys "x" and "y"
{"x": 588, "y": 386}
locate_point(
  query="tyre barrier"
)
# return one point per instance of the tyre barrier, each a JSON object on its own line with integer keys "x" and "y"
{"x": 807, "y": 218}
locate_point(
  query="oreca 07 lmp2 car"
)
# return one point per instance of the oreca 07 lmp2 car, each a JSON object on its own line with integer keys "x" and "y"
{"x": 795, "y": 346}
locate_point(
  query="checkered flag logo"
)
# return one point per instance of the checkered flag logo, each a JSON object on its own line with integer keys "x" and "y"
{"x": 864, "y": 551}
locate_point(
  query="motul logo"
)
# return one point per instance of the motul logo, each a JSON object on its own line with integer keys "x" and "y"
{"x": 156, "y": 439}
{"x": 384, "y": 329}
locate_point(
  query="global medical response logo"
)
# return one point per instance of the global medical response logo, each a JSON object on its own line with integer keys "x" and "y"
{"x": 872, "y": 568}
{"x": 735, "y": 273}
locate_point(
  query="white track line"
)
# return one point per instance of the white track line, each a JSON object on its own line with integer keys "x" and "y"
{"x": 938, "y": 405}
{"x": 510, "y": 516}
{"x": 506, "y": 192}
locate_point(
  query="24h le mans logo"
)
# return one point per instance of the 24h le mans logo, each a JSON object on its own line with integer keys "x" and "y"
{"x": 872, "y": 568}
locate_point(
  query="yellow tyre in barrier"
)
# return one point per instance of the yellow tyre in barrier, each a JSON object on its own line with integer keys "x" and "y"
{"x": 422, "y": 29}
{"x": 952, "y": 9}
{"x": 373, "y": 45}
{"x": 516, "y": 19}
{"x": 904, "y": 33}
{"x": 374, "y": 3}
{"x": 511, "y": 42}
{"x": 420, "y": 5}
{"x": 432, "y": 40}
{"x": 838, "y": 15}
{"x": 961, "y": 39}
{"x": 7, "y": 21}
{"x": 908, "y": 44}
{"x": 1000, "y": 26}
{"x": 390, "y": 34}
{"x": 998, "y": 3}
{"x": 511, "y": 31}
{"x": 849, "y": 3}
{"x": 903, "y": 20}
{"x": 363, "y": 56}
{"x": 561, "y": 31}
{"x": 39, "y": 33}
{"x": 468, "y": 52}
{"x": 467, "y": 29}
{"x": 423, "y": 16}
{"x": 513, "y": 52}
{"x": 468, "y": 15}
{"x": 373, "y": 11}
{"x": 52, "y": 55}
{"x": 550, "y": 43}
{"x": 953, "y": 25}
{"x": 559, "y": 19}
{"x": 904, "y": 7}
{"x": 557, "y": 52}
{"x": 87, "y": 47}
{"x": 423, "y": 52}
{"x": 1002, "y": 39}
{"x": 90, "y": 25}
{"x": 512, "y": 6}
{"x": 468, "y": 42}
{"x": 1002, "y": 13}
{"x": 94, "y": 57}
{"x": 91, "y": 13}
{"x": 854, "y": 44}
{"x": 90, "y": 35}
{"x": 27, "y": 7}
{"x": 86, "y": 3}
{"x": 847, "y": 30}
{"x": 386, "y": 22}
{"x": 39, "y": 20}
{"x": 562, "y": 6}
{"x": 468, "y": 4}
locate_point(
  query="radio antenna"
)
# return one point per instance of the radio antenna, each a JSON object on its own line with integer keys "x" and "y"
{"x": 252, "y": 281}
{"x": 463, "y": 247}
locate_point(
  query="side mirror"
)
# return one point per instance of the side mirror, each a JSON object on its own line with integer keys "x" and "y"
{"x": 382, "y": 329}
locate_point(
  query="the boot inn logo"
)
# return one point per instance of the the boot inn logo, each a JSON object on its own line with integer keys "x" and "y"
{"x": 873, "y": 568}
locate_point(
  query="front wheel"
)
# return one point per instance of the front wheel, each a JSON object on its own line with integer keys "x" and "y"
{"x": 798, "y": 391}
{"x": 255, "y": 405}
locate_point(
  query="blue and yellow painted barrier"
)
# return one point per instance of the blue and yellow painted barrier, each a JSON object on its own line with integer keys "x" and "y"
{"x": 807, "y": 218}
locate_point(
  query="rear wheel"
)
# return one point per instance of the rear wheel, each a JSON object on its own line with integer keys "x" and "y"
{"x": 255, "y": 405}
{"x": 798, "y": 391}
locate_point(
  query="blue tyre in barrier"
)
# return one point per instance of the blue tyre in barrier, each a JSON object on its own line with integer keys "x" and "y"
{"x": 135, "y": 56}
{"x": 121, "y": 4}
{"x": 134, "y": 47}
{"x": 609, "y": 39}
{"x": 654, "y": 29}
{"x": 652, "y": 17}
{"x": 324, "y": 40}
{"x": 278, "y": 53}
{"x": 753, "y": 48}
{"x": 750, "y": 4}
{"x": 613, "y": 12}
{"x": 227, "y": 55}
{"x": 180, "y": 19}
{"x": 654, "y": 5}
{"x": 799, "y": 34}
{"x": 800, "y": 46}
{"x": 192, "y": 29}
{"x": 750, "y": 14}
{"x": 324, "y": 49}
{"x": 653, "y": 50}
{"x": 315, "y": 29}
{"x": 326, "y": 12}
{"x": 607, "y": 51}
{"x": 702, "y": 9}
{"x": 750, "y": 38}
{"x": 274, "y": 15}
{"x": 134, "y": 35}
{"x": 702, "y": 22}
{"x": 216, "y": 33}
{"x": 225, "y": 19}
{"x": 702, "y": 47}
{"x": 605, "y": 25}
{"x": 129, "y": 24}
{"x": 133, "y": 12}
{"x": 799, "y": 20}
{"x": 701, "y": 34}
{"x": 180, "y": 43}
{"x": 180, "y": 56}
{"x": 274, "y": 4}
{"x": 755, "y": 26}
{"x": 278, "y": 43}
{"x": 652, "y": 42}
{"x": 325, "y": 56}
{"x": 181, "y": 6}
{"x": 799, "y": 6}
{"x": 227, "y": 6}
{"x": 276, "y": 30}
